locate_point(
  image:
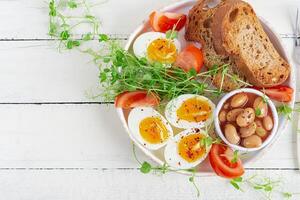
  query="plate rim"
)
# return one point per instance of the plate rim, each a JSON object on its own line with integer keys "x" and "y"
{"x": 281, "y": 127}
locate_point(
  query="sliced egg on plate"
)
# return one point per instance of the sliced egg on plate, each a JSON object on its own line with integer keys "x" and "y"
{"x": 156, "y": 47}
{"x": 185, "y": 151}
{"x": 190, "y": 111}
{"x": 149, "y": 127}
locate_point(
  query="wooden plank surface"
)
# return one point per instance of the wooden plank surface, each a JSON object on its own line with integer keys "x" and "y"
{"x": 56, "y": 143}
{"x": 127, "y": 184}
{"x": 24, "y": 19}
{"x": 87, "y": 136}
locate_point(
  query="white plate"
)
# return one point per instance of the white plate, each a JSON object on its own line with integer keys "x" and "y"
{"x": 204, "y": 167}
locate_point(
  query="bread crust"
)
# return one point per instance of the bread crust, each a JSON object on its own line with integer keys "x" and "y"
{"x": 199, "y": 30}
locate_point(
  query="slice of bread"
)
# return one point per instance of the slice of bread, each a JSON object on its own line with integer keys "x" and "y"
{"x": 238, "y": 33}
{"x": 199, "y": 30}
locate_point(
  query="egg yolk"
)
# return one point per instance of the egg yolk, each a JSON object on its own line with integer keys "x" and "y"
{"x": 153, "y": 130}
{"x": 189, "y": 147}
{"x": 162, "y": 50}
{"x": 194, "y": 110}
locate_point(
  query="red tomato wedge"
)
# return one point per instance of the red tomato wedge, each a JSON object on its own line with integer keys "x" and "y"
{"x": 190, "y": 57}
{"x": 279, "y": 93}
{"x": 222, "y": 165}
{"x": 133, "y": 99}
{"x": 162, "y": 22}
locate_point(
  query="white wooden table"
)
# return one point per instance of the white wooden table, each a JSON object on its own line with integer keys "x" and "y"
{"x": 55, "y": 143}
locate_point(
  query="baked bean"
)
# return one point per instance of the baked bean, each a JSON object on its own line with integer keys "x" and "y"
{"x": 260, "y": 107}
{"x": 226, "y": 106}
{"x": 268, "y": 123}
{"x": 246, "y": 117}
{"x": 232, "y": 115}
{"x": 222, "y": 116}
{"x": 247, "y": 131}
{"x": 258, "y": 123}
{"x": 239, "y": 100}
{"x": 231, "y": 134}
{"x": 252, "y": 141}
{"x": 261, "y": 132}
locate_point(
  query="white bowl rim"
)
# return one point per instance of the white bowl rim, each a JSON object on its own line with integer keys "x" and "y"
{"x": 238, "y": 147}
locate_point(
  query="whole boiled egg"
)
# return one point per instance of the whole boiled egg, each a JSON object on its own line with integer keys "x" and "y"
{"x": 149, "y": 127}
{"x": 185, "y": 150}
{"x": 190, "y": 111}
{"x": 156, "y": 47}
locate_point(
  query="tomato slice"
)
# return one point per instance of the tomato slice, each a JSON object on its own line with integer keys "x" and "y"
{"x": 221, "y": 165}
{"x": 190, "y": 57}
{"x": 133, "y": 99}
{"x": 162, "y": 22}
{"x": 279, "y": 93}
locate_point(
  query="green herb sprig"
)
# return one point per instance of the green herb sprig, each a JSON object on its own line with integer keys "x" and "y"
{"x": 62, "y": 27}
{"x": 287, "y": 111}
{"x": 260, "y": 183}
{"x": 146, "y": 168}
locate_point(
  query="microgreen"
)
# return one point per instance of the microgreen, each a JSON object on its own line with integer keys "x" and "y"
{"x": 171, "y": 34}
{"x": 103, "y": 38}
{"x": 235, "y": 156}
{"x": 72, "y": 4}
{"x": 63, "y": 27}
{"x": 285, "y": 110}
{"x": 260, "y": 183}
{"x": 146, "y": 167}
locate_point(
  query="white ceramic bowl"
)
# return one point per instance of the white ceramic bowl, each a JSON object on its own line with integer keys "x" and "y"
{"x": 238, "y": 147}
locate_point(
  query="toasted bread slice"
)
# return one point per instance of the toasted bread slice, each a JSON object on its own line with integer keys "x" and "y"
{"x": 237, "y": 32}
{"x": 199, "y": 30}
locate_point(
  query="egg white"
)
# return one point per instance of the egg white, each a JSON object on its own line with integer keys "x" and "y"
{"x": 135, "y": 117}
{"x": 141, "y": 43}
{"x": 174, "y": 105}
{"x": 171, "y": 153}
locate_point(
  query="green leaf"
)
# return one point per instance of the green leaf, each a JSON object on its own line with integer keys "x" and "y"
{"x": 103, "y": 77}
{"x": 235, "y": 156}
{"x": 69, "y": 44}
{"x": 257, "y": 111}
{"x": 90, "y": 17}
{"x": 64, "y": 35}
{"x": 285, "y": 110}
{"x": 268, "y": 188}
{"x": 103, "y": 38}
{"x": 52, "y": 8}
{"x": 72, "y": 4}
{"x": 192, "y": 72}
{"x": 191, "y": 179}
{"x": 235, "y": 185}
{"x": 76, "y": 43}
{"x": 287, "y": 195}
{"x": 238, "y": 179}
{"x": 87, "y": 37}
{"x": 171, "y": 34}
{"x": 145, "y": 168}
{"x": 106, "y": 59}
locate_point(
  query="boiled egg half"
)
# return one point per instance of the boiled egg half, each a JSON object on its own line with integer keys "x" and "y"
{"x": 185, "y": 150}
{"x": 156, "y": 47}
{"x": 190, "y": 111}
{"x": 149, "y": 127}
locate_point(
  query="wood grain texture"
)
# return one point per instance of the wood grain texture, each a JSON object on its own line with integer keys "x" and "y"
{"x": 115, "y": 19}
{"x": 34, "y": 71}
{"x": 55, "y": 143}
{"x": 127, "y": 184}
{"x": 88, "y": 136}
